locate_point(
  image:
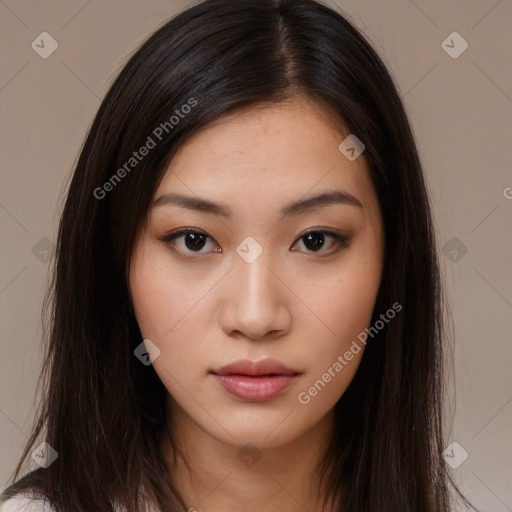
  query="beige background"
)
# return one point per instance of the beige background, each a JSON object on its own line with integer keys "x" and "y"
{"x": 461, "y": 112}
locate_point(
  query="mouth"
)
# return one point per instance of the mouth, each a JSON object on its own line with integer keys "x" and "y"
{"x": 250, "y": 381}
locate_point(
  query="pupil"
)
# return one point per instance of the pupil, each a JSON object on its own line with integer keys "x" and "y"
{"x": 314, "y": 241}
{"x": 194, "y": 240}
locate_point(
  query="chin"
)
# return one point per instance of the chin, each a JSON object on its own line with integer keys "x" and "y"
{"x": 263, "y": 429}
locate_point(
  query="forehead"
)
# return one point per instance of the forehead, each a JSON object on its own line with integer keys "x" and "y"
{"x": 279, "y": 151}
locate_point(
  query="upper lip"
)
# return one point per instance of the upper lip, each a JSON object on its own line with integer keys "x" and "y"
{"x": 262, "y": 367}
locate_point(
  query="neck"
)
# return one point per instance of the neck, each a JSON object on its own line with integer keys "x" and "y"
{"x": 215, "y": 476}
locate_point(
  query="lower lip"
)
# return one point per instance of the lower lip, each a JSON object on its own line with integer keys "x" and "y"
{"x": 255, "y": 388}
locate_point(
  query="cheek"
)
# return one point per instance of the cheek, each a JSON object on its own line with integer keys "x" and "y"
{"x": 345, "y": 310}
{"x": 165, "y": 308}
{"x": 161, "y": 297}
{"x": 164, "y": 315}
{"x": 342, "y": 309}
{"x": 173, "y": 310}
{"x": 344, "y": 304}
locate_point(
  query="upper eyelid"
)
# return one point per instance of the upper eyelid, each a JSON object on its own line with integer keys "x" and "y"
{"x": 184, "y": 231}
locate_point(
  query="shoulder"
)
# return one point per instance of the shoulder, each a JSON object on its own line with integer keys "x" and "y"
{"x": 19, "y": 497}
{"x": 25, "y": 503}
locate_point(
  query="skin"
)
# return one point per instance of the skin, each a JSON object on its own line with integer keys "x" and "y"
{"x": 293, "y": 304}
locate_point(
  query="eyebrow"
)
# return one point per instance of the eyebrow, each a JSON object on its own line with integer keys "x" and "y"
{"x": 294, "y": 208}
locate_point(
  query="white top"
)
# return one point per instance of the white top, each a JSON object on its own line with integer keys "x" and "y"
{"x": 25, "y": 503}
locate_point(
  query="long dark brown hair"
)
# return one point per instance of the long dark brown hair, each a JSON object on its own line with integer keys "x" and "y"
{"x": 100, "y": 408}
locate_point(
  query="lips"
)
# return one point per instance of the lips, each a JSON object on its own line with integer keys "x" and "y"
{"x": 251, "y": 381}
{"x": 263, "y": 367}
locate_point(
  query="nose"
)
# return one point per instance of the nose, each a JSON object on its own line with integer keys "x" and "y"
{"x": 255, "y": 301}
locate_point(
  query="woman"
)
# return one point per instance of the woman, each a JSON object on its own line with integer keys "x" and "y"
{"x": 247, "y": 306}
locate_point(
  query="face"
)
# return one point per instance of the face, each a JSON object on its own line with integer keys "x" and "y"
{"x": 253, "y": 291}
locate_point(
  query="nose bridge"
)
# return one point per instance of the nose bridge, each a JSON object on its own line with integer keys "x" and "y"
{"x": 255, "y": 298}
{"x": 256, "y": 286}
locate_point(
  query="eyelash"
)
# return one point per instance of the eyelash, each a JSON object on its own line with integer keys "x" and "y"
{"x": 341, "y": 241}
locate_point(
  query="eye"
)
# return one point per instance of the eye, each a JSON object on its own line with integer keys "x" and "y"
{"x": 315, "y": 240}
{"x": 190, "y": 241}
